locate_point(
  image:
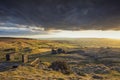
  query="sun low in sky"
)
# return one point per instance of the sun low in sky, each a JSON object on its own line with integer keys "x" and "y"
{"x": 60, "y": 18}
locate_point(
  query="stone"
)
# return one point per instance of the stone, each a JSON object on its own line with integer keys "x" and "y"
{"x": 25, "y": 58}
{"x": 10, "y": 57}
{"x": 7, "y": 57}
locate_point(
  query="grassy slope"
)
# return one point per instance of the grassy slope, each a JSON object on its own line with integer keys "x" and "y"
{"x": 26, "y": 72}
{"x": 96, "y": 42}
{"x": 30, "y": 73}
{"x": 22, "y": 42}
{"x": 67, "y": 43}
{"x": 37, "y": 46}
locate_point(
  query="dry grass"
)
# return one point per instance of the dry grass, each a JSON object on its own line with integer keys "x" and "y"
{"x": 75, "y": 59}
{"x": 31, "y": 73}
{"x": 42, "y": 50}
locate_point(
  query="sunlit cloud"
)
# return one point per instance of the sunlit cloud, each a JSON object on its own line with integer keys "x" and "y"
{"x": 16, "y": 30}
{"x": 80, "y": 34}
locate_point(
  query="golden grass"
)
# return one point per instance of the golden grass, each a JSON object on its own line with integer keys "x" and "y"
{"x": 31, "y": 73}
{"x": 42, "y": 50}
{"x": 27, "y": 72}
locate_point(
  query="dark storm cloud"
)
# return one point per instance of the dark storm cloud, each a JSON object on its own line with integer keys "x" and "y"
{"x": 62, "y": 14}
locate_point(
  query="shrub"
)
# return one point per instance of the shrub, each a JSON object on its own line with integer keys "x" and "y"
{"x": 59, "y": 50}
{"x": 53, "y": 51}
{"x": 61, "y": 66}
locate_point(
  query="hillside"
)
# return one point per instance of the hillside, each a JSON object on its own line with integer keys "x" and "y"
{"x": 83, "y": 59}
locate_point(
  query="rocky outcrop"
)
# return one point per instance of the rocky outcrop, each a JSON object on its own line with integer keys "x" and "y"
{"x": 116, "y": 68}
{"x": 97, "y": 69}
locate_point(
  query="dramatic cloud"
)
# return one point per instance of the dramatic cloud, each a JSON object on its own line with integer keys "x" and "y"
{"x": 11, "y": 29}
{"x": 61, "y": 14}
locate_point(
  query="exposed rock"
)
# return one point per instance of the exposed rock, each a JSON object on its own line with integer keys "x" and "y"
{"x": 97, "y": 69}
{"x": 116, "y": 68}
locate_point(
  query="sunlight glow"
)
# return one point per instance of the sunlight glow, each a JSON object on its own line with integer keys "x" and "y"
{"x": 89, "y": 34}
{"x": 80, "y": 34}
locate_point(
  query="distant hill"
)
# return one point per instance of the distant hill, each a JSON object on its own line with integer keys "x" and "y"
{"x": 58, "y": 42}
{"x": 35, "y": 44}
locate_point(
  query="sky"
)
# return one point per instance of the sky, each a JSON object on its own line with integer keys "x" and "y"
{"x": 60, "y": 18}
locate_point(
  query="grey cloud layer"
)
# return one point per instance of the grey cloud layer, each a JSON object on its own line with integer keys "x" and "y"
{"x": 13, "y": 31}
{"x": 62, "y": 14}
